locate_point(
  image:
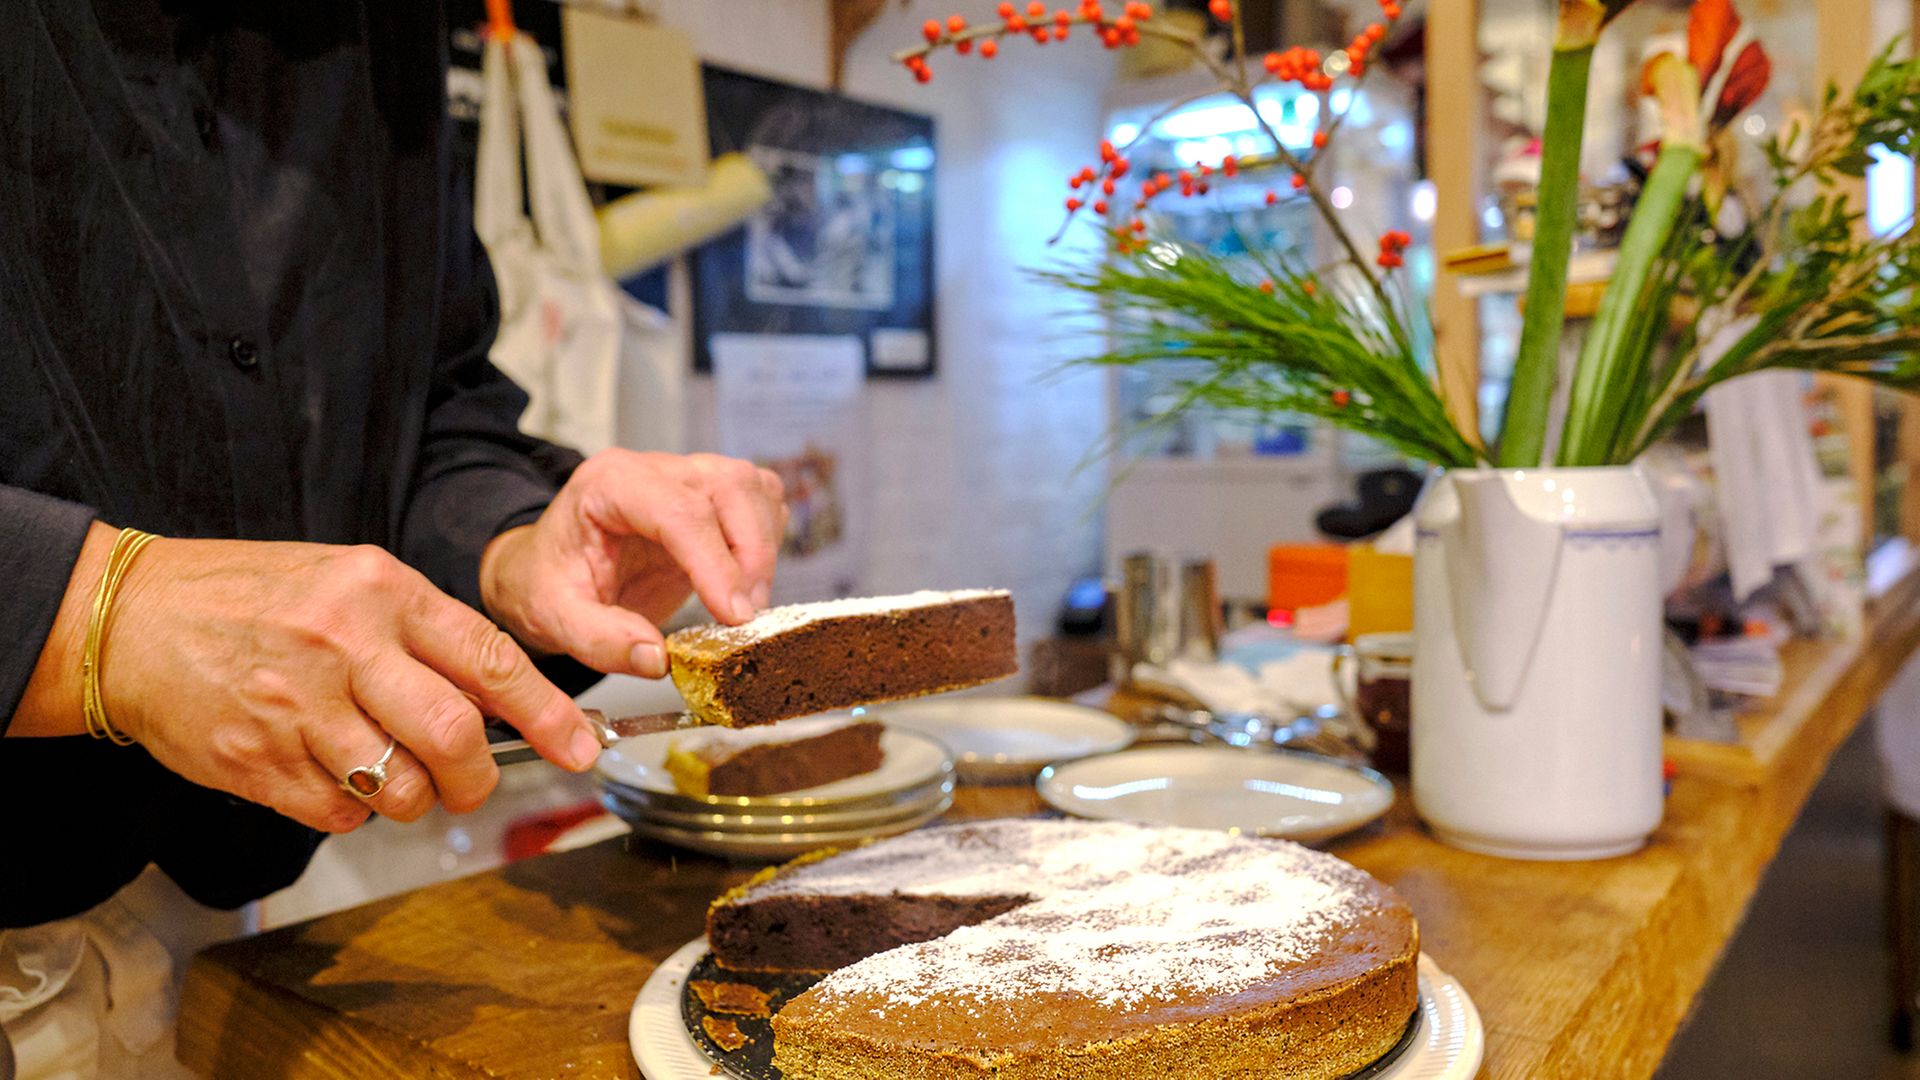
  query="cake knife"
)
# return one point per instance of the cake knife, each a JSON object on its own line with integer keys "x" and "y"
{"x": 510, "y": 749}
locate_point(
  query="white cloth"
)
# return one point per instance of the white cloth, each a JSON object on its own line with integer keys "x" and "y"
{"x": 94, "y": 997}
{"x": 568, "y": 335}
{"x": 1768, "y": 479}
{"x": 1896, "y": 734}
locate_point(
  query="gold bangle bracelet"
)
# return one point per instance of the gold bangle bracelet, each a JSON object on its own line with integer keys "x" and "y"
{"x": 126, "y": 546}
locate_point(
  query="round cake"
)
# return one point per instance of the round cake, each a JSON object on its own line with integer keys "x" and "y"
{"x": 1054, "y": 949}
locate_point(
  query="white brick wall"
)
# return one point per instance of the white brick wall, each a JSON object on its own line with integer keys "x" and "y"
{"x": 973, "y": 473}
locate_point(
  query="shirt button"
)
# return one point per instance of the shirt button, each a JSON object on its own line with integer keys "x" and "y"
{"x": 203, "y": 122}
{"x": 244, "y": 354}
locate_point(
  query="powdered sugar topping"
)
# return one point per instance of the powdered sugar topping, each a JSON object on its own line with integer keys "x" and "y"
{"x": 779, "y": 620}
{"x": 1121, "y": 914}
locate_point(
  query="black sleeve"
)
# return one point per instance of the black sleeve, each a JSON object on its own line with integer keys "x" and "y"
{"x": 40, "y": 538}
{"x": 478, "y": 475}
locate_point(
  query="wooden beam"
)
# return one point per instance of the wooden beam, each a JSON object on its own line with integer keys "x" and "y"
{"x": 1841, "y": 60}
{"x": 1453, "y": 164}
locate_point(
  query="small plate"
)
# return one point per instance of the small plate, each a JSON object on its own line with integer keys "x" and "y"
{"x": 911, "y": 760}
{"x": 629, "y": 803}
{"x": 1448, "y": 1043}
{"x": 770, "y": 846}
{"x": 1009, "y": 739}
{"x": 1291, "y": 796}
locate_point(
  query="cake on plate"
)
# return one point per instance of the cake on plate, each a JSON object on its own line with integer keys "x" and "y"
{"x": 772, "y": 760}
{"x": 810, "y": 658}
{"x": 1048, "y": 949}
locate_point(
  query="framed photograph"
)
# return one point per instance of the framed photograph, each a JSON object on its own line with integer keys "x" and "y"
{"x": 845, "y": 247}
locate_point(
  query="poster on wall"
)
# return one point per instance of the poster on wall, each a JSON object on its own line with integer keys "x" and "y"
{"x": 845, "y": 247}
{"x": 795, "y": 404}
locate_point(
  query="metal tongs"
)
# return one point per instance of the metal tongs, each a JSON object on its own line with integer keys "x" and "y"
{"x": 510, "y": 749}
{"x": 1321, "y": 731}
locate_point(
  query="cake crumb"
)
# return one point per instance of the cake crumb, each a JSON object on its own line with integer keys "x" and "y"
{"x": 725, "y": 1033}
{"x": 737, "y": 999}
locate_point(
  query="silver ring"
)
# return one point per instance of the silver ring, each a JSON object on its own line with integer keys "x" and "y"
{"x": 369, "y": 780}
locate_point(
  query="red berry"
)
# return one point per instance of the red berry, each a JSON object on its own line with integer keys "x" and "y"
{"x": 1341, "y": 397}
{"x": 1130, "y": 38}
{"x": 989, "y": 49}
{"x": 1107, "y": 153}
{"x": 1016, "y": 24}
{"x": 1075, "y": 182}
{"x": 1042, "y": 35}
{"x": 956, "y": 24}
{"x": 1273, "y": 63}
{"x": 1138, "y": 226}
{"x": 1267, "y": 287}
{"x": 1106, "y": 186}
{"x": 1272, "y": 198}
{"x": 1319, "y": 140}
{"x": 1072, "y": 205}
{"x": 1299, "y": 181}
{"x": 922, "y": 74}
{"x": 1230, "y": 165}
{"x": 1063, "y": 17}
{"x": 932, "y": 29}
{"x": 1110, "y": 37}
{"x": 1221, "y": 9}
{"x": 1375, "y": 32}
{"x": 1309, "y": 288}
{"x": 1005, "y": 9}
{"x": 1036, "y": 9}
{"x": 1123, "y": 24}
{"x": 1100, "y": 207}
{"x": 963, "y": 47}
{"x": 1120, "y": 167}
{"x": 1391, "y": 11}
{"x": 1087, "y": 173}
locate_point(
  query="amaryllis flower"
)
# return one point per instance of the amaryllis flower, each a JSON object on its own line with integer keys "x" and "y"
{"x": 1701, "y": 94}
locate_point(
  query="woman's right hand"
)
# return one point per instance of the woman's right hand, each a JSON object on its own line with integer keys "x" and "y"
{"x": 271, "y": 670}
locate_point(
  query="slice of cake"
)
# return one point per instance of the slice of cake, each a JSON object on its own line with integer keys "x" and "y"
{"x": 1044, "y": 949}
{"x": 769, "y": 761}
{"x": 809, "y": 658}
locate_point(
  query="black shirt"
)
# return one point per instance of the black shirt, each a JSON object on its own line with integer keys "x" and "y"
{"x": 237, "y": 299}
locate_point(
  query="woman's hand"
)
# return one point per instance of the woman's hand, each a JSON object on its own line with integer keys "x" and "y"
{"x": 270, "y": 670}
{"x": 622, "y": 546}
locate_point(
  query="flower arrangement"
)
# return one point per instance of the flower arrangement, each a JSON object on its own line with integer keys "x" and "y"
{"x": 1794, "y": 285}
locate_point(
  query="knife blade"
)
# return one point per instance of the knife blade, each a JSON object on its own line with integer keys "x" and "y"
{"x": 510, "y": 749}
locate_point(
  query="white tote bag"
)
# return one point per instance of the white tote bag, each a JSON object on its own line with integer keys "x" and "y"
{"x": 600, "y": 367}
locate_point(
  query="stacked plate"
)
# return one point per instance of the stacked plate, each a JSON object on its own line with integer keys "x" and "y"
{"x": 1007, "y": 740}
{"x": 913, "y": 785}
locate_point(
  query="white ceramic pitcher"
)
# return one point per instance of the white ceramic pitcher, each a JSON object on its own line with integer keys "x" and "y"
{"x": 1536, "y": 671}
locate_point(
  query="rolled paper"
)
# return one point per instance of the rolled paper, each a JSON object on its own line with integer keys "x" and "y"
{"x": 644, "y": 229}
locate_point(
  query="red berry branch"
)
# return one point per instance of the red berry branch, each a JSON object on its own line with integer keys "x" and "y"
{"x": 1123, "y": 26}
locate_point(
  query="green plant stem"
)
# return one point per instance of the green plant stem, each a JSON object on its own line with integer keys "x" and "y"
{"x": 1524, "y": 432}
{"x": 1604, "y": 381}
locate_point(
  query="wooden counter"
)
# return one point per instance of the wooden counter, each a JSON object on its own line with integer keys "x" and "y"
{"x": 1579, "y": 969}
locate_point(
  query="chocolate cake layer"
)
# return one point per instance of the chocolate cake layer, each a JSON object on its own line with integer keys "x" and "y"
{"x": 810, "y": 658}
{"x": 716, "y": 761}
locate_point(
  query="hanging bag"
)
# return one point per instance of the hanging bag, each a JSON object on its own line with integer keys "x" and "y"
{"x": 599, "y": 367}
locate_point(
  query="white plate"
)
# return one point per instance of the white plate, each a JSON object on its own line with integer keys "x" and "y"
{"x": 1010, "y": 737}
{"x": 911, "y": 760}
{"x": 770, "y": 846}
{"x": 624, "y": 802}
{"x": 1448, "y": 1045}
{"x": 1292, "y": 796}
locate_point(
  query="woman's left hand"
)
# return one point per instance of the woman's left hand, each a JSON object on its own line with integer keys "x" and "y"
{"x": 623, "y": 545}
